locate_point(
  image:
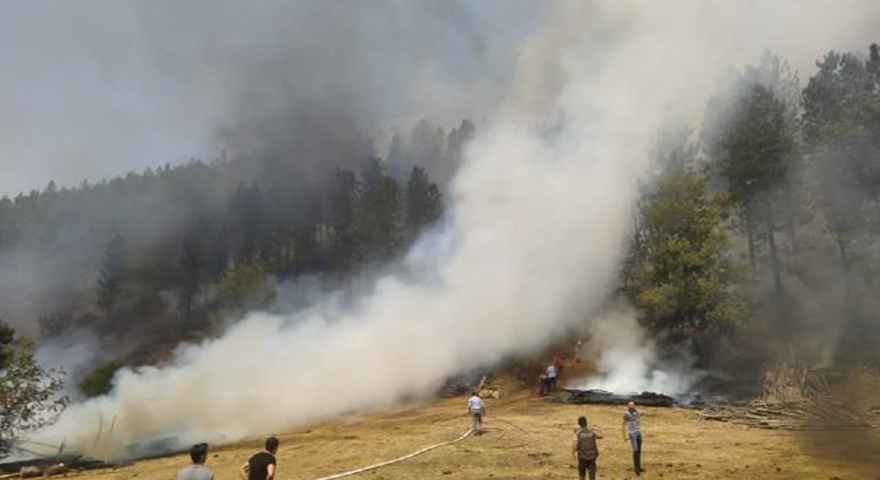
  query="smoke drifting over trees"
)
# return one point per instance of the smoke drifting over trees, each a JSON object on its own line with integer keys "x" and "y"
{"x": 161, "y": 82}
{"x": 453, "y": 244}
{"x": 293, "y": 90}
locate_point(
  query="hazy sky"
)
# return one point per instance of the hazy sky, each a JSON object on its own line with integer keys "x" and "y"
{"x": 91, "y": 89}
{"x": 95, "y": 88}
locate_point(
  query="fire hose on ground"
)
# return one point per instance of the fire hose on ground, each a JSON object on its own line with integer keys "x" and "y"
{"x": 413, "y": 454}
{"x": 398, "y": 459}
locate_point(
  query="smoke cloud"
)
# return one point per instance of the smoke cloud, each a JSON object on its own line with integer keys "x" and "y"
{"x": 537, "y": 224}
{"x": 627, "y": 361}
{"x": 74, "y": 353}
{"x": 100, "y": 88}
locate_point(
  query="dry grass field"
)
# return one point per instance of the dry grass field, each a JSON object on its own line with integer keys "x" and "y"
{"x": 529, "y": 437}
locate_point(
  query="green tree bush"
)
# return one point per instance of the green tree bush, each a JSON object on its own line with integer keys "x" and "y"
{"x": 100, "y": 380}
{"x": 247, "y": 286}
{"x": 30, "y": 396}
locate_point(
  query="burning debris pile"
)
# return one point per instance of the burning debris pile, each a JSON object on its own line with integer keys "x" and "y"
{"x": 34, "y": 461}
{"x": 50, "y": 466}
{"x": 462, "y": 385}
{"x": 794, "y": 398}
{"x": 648, "y": 399}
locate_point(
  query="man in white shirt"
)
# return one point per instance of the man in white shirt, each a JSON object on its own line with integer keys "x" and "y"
{"x": 476, "y": 408}
{"x": 551, "y": 378}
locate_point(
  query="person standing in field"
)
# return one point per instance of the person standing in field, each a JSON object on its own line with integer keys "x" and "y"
{"x": 262, "y": 465}
{"x": 558, "y": 363}
{"x": 632, "y": 432}
{"x": 476, "y": 408}
{"x": 197, "y": 469}
{"x": 551, "y": 378}
{"x": 585, "y": 449}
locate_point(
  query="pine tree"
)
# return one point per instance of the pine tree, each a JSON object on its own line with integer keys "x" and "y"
{"x": 246, "y": 220}
{"x": 378, "y": 218}
{"x": 683, "y": 280}
{"x": 753, "y": 155}
{"x": 217, "y": 258}
{"x": 191, "y": 266}
{"x": 424, "y": 203}
{"x": 371, "y": 173}
{"x": 305, "y": 248}
{"x": 842, "y": 122}
{"x": 344, "y": 196}
{"x": 111, "y": 272}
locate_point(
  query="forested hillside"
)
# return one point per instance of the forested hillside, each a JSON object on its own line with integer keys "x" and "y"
{"x": 755, "y": 229}
{"x": 756, "y": 239}
{"x": 158, "y": 256}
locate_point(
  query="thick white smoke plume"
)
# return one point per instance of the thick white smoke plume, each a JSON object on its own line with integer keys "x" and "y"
{"x": 511, "y": 278}
{"x": 537, "y": 225}
{"x": 626, "y": 359}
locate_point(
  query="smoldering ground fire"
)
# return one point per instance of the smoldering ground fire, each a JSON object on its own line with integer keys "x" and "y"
{"x": 531, "y": 244}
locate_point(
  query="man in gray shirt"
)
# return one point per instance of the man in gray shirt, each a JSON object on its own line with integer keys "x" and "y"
{"x": 197, "y": 469}
{"x": 632, "y": 432}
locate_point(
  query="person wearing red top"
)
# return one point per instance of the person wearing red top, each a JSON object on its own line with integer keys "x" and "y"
{"x": 558, "y": 363}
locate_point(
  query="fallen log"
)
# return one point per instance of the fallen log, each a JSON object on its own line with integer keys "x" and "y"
{"x": 31, "y": 471}
{"x": 815, "y": 414}
{"x": 57, "y": 469}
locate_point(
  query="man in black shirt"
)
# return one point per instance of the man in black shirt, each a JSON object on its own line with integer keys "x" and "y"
{"x": 262, "y": 465}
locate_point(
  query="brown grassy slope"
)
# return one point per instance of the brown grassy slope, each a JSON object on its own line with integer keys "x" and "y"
{"x": 677, "y": 446}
